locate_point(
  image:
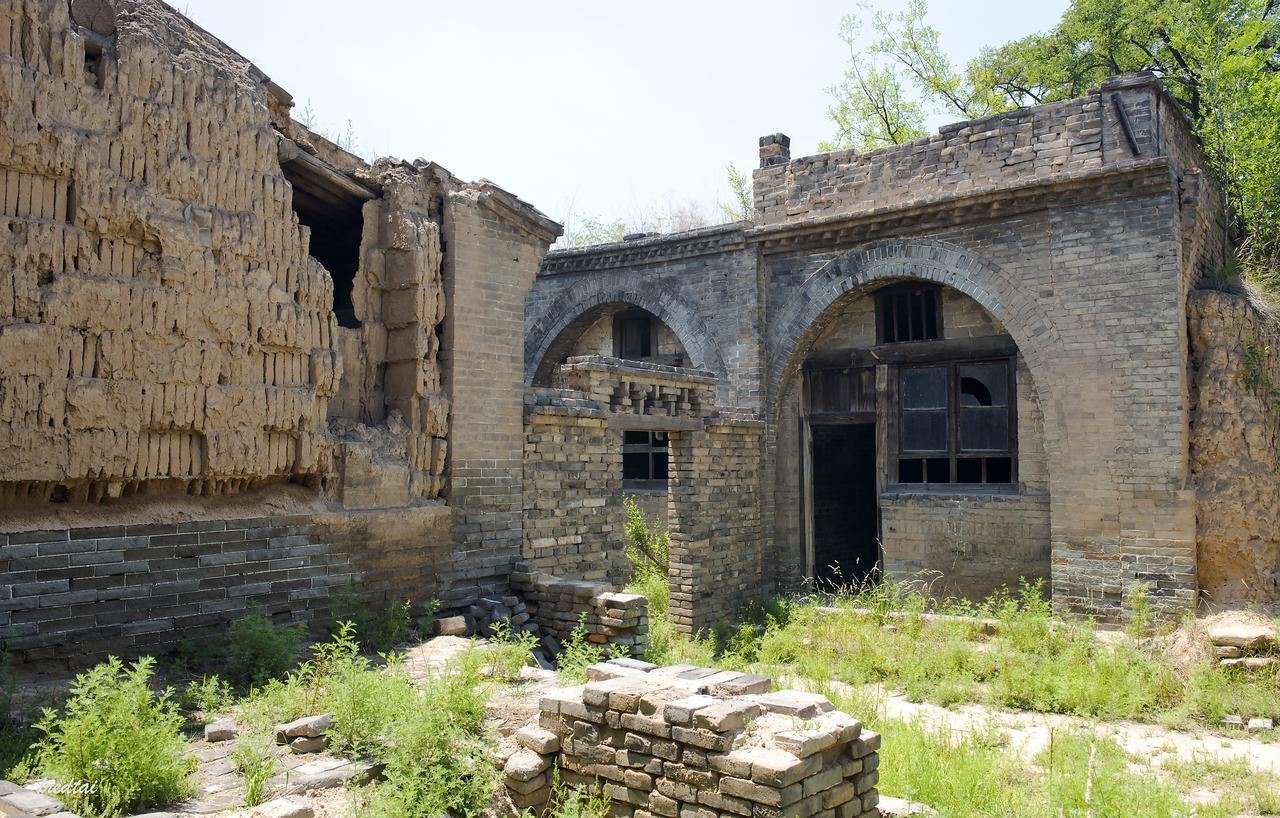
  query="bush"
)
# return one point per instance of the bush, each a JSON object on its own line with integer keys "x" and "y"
{"x": 647, "y": 547}
{"x": 207, "y": 697}
{"x": 577, "y": 802}
{"x": 378, "y": 632}
{"x": 437, "y": 754}
{"x": 508, "y": 651}
{"x": 363, "y": 699}
{"x": 577, "y": 654}
{"x": 118, "y": 740}
{"x": 259, "y": 650}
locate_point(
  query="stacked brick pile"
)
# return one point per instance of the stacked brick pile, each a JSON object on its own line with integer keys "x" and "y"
{"x": 557, "y": 605}
{"x": 1243, "y": 640}
{"x": 688, "y": 742}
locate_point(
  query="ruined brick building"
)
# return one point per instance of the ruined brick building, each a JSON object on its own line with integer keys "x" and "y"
{"x": 978, "y": 357}
{"x": 243, "y": 365}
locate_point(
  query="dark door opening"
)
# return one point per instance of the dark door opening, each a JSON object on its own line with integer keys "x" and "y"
{"x": 845, "y": 529}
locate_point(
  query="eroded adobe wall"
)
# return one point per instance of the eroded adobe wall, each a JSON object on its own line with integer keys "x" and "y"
{"x": 160, "y": 319}
{"x": 1235, "y": 447}
{"x": 391, "y": 413}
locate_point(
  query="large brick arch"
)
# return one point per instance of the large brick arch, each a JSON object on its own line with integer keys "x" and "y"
{"x": 800, "y": 320}
{"x": 685, "y": 320}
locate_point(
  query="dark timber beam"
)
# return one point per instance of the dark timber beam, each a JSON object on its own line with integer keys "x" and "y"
{"x": 322, "y": 180}
{"x": 914, "y": 352}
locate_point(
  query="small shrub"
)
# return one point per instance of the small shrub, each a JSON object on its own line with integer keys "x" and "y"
{"x": 508, "y": 651}
{"x": 18, "y": 751}
{"x": 647, "y": 547}
{"x": 256, "y": 764}
{"x": 207, "y": 697}
{"x": 120, "y": 739}
{"x": 378, "y": 632}
{"x": 577, "y": 654}
{"x": 437, "y": 754}
{"x": 259, "y": 650}
{"x": 576, "y": 802}
{"x": 364, "y": 700}
{"x": 277, "y": 701}
{"x": 1137, "y": 603}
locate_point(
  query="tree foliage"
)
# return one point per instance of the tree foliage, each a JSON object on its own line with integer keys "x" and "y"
{"x": 1219, "y": 58}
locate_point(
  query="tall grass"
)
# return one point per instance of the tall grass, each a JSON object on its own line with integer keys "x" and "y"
{"x": 647, "y": 551}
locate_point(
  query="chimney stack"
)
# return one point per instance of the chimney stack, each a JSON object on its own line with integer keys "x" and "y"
{"x": 775, "y": 149}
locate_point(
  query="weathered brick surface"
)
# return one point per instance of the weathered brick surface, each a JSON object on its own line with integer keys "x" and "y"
{"x": 559, "y": 605}
{"x": 573, "y": 496}
{"x": 489, "y": 268}
{"x": 717, "y": 543}
{"x": 966, "y": 546}
{"x": 76, "y": 595}
{"x": 572, "y": 493}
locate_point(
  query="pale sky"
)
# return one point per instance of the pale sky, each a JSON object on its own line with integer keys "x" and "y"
{"x": 600, "y": 107}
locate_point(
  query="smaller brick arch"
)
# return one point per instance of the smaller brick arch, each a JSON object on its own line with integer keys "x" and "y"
{"x": 577, "y": 306}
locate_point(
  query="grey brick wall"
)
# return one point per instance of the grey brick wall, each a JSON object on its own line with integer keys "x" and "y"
{"x": 72, "y": 596}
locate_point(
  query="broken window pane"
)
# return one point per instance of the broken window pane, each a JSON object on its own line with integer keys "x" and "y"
{"x": 635, "y": 466}
{"x": 984, "y": 407}
{"x": 984, "y": 384}
{"x": 910, "y": 471}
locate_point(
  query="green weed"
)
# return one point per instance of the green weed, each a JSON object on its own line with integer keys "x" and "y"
{"x": 117, "y": 741}
{"x": 256, "y": 764}
{"x": 258, "y": 650}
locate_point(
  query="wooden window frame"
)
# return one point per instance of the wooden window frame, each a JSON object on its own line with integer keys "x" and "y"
{"x": 651, "y": 450}
{"x": 953, "y": 454}
{"x": 887, "y": 300}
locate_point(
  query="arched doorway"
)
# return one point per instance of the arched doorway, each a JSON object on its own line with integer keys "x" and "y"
{"x": 918, "y": 444}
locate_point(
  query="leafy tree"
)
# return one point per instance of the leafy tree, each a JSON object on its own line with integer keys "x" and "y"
{"x": 1219, "y": 58}
{"x": 872, "y": 106}
{"x": 740, "y": 206}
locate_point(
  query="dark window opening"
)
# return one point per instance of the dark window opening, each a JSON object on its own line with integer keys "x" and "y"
{"x": 337, "y": 224}
{"x": 633, "y": 335}
{"x": 908, "y": 312}
{"x": 645, "y": 459}
{"x": 93, "y": 62}
{"x": 957, "y": 423}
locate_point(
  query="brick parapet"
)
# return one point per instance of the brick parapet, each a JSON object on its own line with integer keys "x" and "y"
{"x": 1042, "y": 143}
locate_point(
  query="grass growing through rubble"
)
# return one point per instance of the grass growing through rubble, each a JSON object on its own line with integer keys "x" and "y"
{"x": 1007, "y": 652}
